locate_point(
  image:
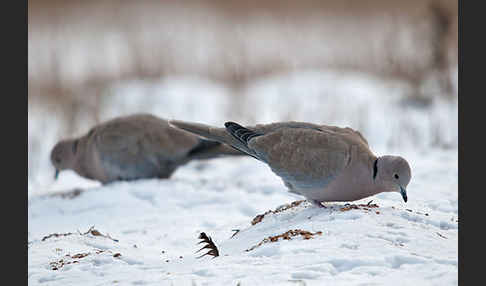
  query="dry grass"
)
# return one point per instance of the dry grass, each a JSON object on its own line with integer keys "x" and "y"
{"x": 260, "y": 217}
{"x": 287, "y": 236}
{"x": 91, "y": 231}
{"x": 78, "y": 50}
{"x": 72, "y": 259}
{"x": 365, "y": 207}
{"x": 74, "y": 46}
{"x": 209, "y": 244}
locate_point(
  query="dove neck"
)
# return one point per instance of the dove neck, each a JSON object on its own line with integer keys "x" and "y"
{"x": 380, "y": 183}
{"x": 86, "y": 159}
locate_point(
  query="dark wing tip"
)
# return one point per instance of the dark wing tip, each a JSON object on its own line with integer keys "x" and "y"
{"x": 230, "y": 123}
{"x": 233, "y": 128}
{"x": 239, "y": 132}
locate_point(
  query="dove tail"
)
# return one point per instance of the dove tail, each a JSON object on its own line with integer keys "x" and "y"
{"x": 203, "y": 130}
{"x": 213, "y": 133}
{"x": 208, "y": 132}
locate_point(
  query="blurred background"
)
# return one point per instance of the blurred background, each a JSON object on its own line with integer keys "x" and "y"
{"x": 387, "y": 68}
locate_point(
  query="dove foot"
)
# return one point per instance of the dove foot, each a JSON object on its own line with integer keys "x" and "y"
{"x": 317, "y": 203}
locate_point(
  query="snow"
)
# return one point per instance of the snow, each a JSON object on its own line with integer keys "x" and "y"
{"x": 400, "y": 244}
{"x": 154, "y": 224}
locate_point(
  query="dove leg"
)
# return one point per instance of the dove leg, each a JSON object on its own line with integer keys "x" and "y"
{"x": 317, "y": 203}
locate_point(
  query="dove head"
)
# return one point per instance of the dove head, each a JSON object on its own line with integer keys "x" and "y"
{"x": 393, "y": 173}
{"x": 63, "y": 155}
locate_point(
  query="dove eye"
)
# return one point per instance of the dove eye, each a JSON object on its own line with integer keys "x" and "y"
{"x": 58, "y": 160}
{"x": 396, "y": 176}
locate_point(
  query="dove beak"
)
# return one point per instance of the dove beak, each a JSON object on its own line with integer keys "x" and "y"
{"x": 56, "y": 174}
{"x": 403, "y": 192}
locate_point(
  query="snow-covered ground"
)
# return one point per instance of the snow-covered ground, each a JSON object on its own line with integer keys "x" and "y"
{"x": 146, "y": 232}
{"x": 157, "y": 223}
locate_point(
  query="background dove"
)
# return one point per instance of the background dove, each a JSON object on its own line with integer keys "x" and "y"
{"x": 322, "y": 163}
{"x": 133, "y": 147}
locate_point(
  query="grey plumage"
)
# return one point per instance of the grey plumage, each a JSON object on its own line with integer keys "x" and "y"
{"x": 321, "y": 162}
{"x": 133, "y": 147}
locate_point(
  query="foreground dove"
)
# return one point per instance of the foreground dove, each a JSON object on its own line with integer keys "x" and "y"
{"x": 322, "y": 163}
{"x": 133, "y": 147}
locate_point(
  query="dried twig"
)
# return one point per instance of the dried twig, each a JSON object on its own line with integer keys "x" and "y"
{"x": 417, "y": 212}
{"x": 366, "y": 207}
{"x": 79, "y": 255}
{"x": 91, "y": 231}
{"x": 441, "y": 235}
{"x": 260, "y": 217}
{"x": 56, "y": 235}
{"x": 287, "y": 236}
{"x": 213, "y": 250}
{"x": 71, "y": 259}
{"x": 236, "y": 231}
{"x": 95, "y": 232}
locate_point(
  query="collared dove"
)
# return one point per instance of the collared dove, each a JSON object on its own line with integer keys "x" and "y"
{"x": 322, "y": 163}
{"x": 133, "y": 147}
